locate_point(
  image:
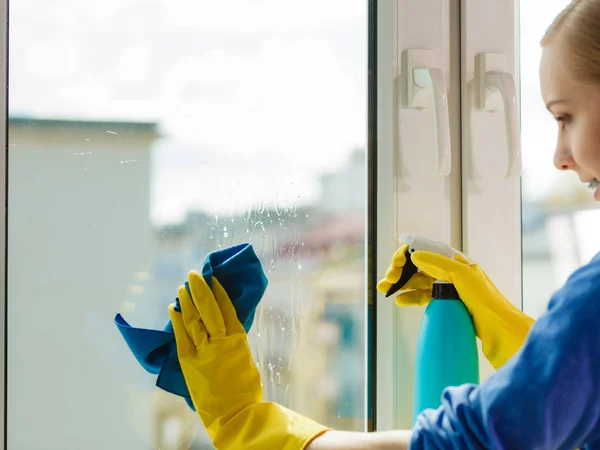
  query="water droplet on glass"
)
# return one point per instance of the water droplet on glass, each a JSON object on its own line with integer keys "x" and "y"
{"x": 299, "y": 266}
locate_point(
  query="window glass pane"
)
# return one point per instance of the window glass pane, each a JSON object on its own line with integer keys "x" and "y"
{"x": 145, "y": 134}
{"x": 559, "y": 212}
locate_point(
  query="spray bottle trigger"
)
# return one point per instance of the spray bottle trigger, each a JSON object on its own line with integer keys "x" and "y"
{"x": 408, "y": 271}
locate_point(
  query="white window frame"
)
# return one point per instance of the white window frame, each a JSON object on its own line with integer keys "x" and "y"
{"x": 475, "y": 193}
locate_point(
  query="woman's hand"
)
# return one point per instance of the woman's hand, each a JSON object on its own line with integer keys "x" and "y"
{"x": 223, "y": 381}
{"x": 418, "y": 289}
{"x": 501, "y": 327}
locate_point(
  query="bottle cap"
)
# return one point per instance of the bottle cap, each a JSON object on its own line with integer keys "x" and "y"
{"x": 444, "y": 290}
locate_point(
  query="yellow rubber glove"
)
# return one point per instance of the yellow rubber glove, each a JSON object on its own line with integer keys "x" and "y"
{"x": 223, "y": 380}
{"x": 501, "y": 327}
{"x": 418, "y": 289}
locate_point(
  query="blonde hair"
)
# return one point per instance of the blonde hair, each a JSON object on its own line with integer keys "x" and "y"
{"x": 578, "y": 28}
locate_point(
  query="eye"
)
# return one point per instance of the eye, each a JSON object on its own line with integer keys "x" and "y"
{"x": 564, "y": 119}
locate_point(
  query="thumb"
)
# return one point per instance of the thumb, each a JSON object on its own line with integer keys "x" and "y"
{"x": 437, "y": 266}
{"x": 413, "y": 297}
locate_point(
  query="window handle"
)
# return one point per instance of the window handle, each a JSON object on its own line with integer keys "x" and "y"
{"x": 496, "y": 89}
{"x": 423, "y": 80}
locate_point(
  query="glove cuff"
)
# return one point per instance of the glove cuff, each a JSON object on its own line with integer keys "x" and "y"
{"x": 265, "y": 425}
{"x": 511, "y": 329}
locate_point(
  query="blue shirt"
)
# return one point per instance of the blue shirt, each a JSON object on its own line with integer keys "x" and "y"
{"x": 547, "y": 396}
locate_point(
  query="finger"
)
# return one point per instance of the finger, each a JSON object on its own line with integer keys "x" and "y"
{"x": 188, "y": 309}
{"x": 384, "y": 286}
{"x": 191, "y": 318}
{"x": 206, "y": 304}
{"x": 417, "y": 281}
{"x": 399, "y": 258}
{"x": 413, "y": 297}
{"x": 420, "y": 281}
{"x": 394, "y": 271}
{"x": 393, "y": 274}
{"x": 435, "y": 265}
{"x": 183, "y": 340}
{"x": 232, "y": 323}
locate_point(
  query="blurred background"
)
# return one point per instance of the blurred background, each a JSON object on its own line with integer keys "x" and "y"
{"x": 560, "y": 217}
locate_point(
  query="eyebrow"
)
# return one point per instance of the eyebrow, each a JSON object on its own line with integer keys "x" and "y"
{"x": 554, "y": 102}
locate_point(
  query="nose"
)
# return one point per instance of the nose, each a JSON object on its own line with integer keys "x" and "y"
{"x": 563, "y": 158}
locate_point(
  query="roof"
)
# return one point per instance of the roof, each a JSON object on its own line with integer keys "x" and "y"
{"x": 122, "y": 126}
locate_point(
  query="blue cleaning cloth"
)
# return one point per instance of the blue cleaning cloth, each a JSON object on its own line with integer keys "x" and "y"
{"x": 547, "y": 396}
{"x": 240, "y": 272}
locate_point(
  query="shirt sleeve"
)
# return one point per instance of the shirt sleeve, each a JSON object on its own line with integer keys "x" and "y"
{"x": 547, "y": 396}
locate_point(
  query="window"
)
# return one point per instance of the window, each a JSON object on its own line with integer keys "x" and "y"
{"x": 144, "y": 135}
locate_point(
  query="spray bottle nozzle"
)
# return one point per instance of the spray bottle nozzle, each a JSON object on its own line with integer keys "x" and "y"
{"x": 419, "y": 243}
{"x": 408, "y": 271}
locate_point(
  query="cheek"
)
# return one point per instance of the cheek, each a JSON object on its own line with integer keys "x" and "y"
{"x": 585, "y": 146}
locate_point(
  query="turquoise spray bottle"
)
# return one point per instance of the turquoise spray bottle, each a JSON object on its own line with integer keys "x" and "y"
{"x": 446, "y": 353}
{"x": 446, "y": 348}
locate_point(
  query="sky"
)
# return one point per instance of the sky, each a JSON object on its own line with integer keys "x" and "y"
{"x": 260, "y": 95}
{"x": 256, "y": 99}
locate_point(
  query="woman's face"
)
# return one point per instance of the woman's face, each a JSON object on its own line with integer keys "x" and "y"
{"x": 576, "y": 108}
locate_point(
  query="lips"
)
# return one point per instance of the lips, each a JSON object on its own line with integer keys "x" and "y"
{"x": 595, "y": 186}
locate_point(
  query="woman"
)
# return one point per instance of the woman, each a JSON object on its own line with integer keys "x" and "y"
{"x": 546, "y": 391}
